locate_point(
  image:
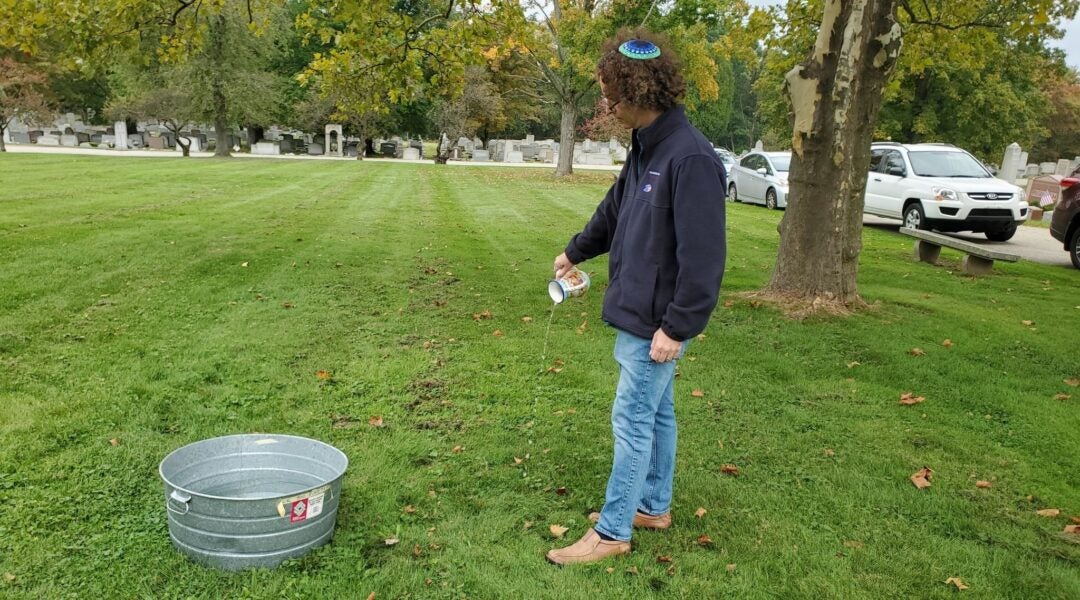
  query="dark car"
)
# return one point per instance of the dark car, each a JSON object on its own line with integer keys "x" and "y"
{"x": 1065, "y": 223}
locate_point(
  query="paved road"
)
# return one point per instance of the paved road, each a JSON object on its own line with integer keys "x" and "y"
{"x": 1031, "y": 243}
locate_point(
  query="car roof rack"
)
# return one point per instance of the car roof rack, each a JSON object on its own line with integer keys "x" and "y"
{"x": 886, "y": 143}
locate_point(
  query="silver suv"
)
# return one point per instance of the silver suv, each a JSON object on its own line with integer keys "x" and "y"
{"x": 940, "y": 186}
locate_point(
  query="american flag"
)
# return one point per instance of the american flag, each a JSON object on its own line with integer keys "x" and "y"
{"x": 1046, "y": 199}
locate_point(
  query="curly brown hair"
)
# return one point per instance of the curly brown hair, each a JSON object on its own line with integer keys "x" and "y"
{"x": 654, "y": 83}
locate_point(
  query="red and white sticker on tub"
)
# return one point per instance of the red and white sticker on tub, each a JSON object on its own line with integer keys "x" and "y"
{"x": 302, "y": 508}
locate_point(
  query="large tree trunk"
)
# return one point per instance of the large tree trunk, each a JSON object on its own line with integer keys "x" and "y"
{"x": 217, "y": 90}
{"x": 835, "y": 95}
{"x": 3, "y": 130}
{"x": 566, "y": 138}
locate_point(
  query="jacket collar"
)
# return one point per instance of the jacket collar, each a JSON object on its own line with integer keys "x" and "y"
{"x": 663, "y": 126}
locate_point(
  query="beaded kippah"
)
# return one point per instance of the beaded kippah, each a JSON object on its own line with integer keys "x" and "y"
{"x": 639, "y": 49}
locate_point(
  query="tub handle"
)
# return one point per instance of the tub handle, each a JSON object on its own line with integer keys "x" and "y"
{"x": 178, "y": 498}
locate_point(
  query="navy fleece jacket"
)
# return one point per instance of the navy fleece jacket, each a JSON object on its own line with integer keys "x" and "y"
{"x": 663, "y": 223}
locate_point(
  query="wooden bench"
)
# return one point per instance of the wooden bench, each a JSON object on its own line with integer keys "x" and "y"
{"x": 979, "y": 259}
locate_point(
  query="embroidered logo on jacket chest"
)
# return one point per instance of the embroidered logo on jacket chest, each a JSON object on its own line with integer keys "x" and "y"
{"x": 651, "y": 180}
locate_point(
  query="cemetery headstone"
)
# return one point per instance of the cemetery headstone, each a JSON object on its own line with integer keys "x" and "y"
{"x": 334, "y": 141}
{"x": 267, "y": 148}
{"x": 1010, "y": 163}
{"x": 480, "y": 156}
{"x": 1047, "y": 168}
{"x": 411, "y": 154}
{"x": 121, "y": 138}
{"x": 1062, "y": 168}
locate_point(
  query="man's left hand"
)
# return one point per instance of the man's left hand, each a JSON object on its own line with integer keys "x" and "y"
{"x": 663, "y": 347}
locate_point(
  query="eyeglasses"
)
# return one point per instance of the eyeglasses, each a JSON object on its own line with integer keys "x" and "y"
{"x": 611, "y": 104}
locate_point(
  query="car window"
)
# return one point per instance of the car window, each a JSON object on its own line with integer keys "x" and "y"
{"x": 782, "y": 162}
{"x": 943, "y": 163}
{"x": 894, "y": 160}
{"x": 875, "y": 160}
{"x": 748, "y": 161}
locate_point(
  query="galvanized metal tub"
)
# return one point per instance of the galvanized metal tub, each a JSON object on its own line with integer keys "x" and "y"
{"x": 246, "y": 501}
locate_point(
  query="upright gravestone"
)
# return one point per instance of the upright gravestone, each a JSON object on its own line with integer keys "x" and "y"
{"x": 759, "y": 146}
{"x": 121, "y": 135}
{"x": 1022, "y": 164}
{"x": 1031, "y": 171}
{"x": 334, "y": 141}
{"x": 1062, "y": 168}
{"x": 1010, "y": 163}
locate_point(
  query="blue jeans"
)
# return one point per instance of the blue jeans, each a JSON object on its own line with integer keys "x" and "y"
{"x": 643, "y": 421}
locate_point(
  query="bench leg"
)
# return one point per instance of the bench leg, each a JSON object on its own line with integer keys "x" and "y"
{"x": 926, "y": 251}
{"x": 977, "y": 265}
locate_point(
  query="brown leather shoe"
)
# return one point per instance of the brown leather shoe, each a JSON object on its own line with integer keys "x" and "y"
{"x": 590, "y": 548}
{"x": 642, "y": 520}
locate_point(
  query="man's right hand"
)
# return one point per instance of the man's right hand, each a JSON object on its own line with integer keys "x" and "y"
{"x": 562, "y": 265}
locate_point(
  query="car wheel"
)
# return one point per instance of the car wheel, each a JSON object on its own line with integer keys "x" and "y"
{"x": 1074, "y": 248}
{"x": 770, "y": 199}
{"x": 732, "y": 193}
{"x": 914, "y": 217}
{"x": 1002, "y": 235}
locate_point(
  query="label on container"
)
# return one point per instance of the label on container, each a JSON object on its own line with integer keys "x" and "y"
{"x": 301, "y": 508}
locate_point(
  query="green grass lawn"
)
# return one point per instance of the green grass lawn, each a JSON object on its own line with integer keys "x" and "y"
{"x": 149, "y": 303}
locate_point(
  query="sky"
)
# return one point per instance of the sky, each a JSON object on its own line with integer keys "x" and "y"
{"x": 1070, "y": 43}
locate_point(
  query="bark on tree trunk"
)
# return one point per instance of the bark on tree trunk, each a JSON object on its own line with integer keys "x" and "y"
{"x": 835, "y": 95}
{"x": 566, "y": 139}
{"x": 3, "y": 147}
{"x": 217, "y": 90}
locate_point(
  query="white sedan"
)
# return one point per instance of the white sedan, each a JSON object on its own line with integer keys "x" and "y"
{"x": 760, "y": 178}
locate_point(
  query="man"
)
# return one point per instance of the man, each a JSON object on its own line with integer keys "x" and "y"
{"x": 663, "y": 224}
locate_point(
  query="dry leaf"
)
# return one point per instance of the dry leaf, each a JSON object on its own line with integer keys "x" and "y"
{"x": 956, "y": 581}
{"x": 1072, "y": 381}
{"x": 518, "y": 461}
{"x": 416, "y": 550}
{"x": 458, "y": 449}
{"x": 982, "y": 484}
{"x": 323, "y": 375}
{"x": 9, "y": 577}
{"x": 697, "y": 394}
{"x": 114, "y": 442}
{"x": 631, "y": 570}
{"x": 729, "y": 469}
{"x": 701, "y": 337}
{"x": 371, "y": 596}
{"x": 663, "y": 558}
{"x": 1048, "y": 512}
{"x": 391, "y": 541}
{"x": 917, "y": 352}
{"x": 526, "y": 319}
{"x": 498, "y": 333}
{"x": 700, "y": 512}
{"x": 921, "y": 478}
{"x": 558, "y": 530}
{"x": 704, "y": 540}
{"x": 829, "y": 452}
{"x": 409, "y": 509}
{"x": 287, "y": 304}
{"x": 853, "y": 544}
{"x": 560, "y": 491}
{"x": 376, "y": 421}
{"x": 947, "y": 343}
{"x": 243, "y": 264}
{"x": 555, "y": 370}
{"x": 730, "y": 567}
{"x": 1061, "y": 396}
{"x": 853, "y": 364}
{"x": 729, "y": 303}
{"x": 527, "y": 525}
{"x": 610, "y": 570}
{"x": 909, "y": 399}
{"x": 670, "y": 571}
{"x": 1028, "y": 322}
{"x": 581, "y": 328}
{"x": 1072, "y": 529}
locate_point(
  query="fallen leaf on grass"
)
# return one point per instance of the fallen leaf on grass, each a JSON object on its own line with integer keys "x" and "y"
{"x": 701, "y": 337}
{"x": 704, "y": 540}
{"x": 287, "y": 305}
{"x": 376, "y": 421}
{"x": 853, "y": 544}
{"x": 917, "y": 352}
{"x": 853, "y": 364}
{"x": 1072, "y": 381}
{"x": 409, "y": 509}
{"x": 729, "y": 469}
{"x": 730, "y": 567}
{"x": 1075, "y": 520}
{"x": 957, "y": 582}
{"x": 670, "y": 571}
{"x": 498, "y": 333}
{"x": 518, "y": 461}
{"x": 526, "y": 319}
{"x": 114, "y": 442}
{"x": 323, "y": 375}
{"x": 243, "y": 264}
{"x": 730, "y": 303}
{"x": 909, "y": 399}
{"x": 416, "y": 551}
{"x": 631, "y": 570}
{"x": 1027, "y": 322}
{"x": 1072, "y": 529}
{"x": 610, "y": 570}
{"x": 581, "y": 328}
{"x": 1061, "y": 396}
{"x": 527, "y": 525}
{"x": 982, "y": 484}
{"x": 371, "y": 596}
{"x": 558, "y": 530}
{"x": 921, "y": 478}
{"x": 663, "y": 559}
{"x": 457, "y": 449}
{"x": 700, "y": 512}
{"x": 391, "y": 541}
{"x": 481, "y": 315}
{"x": 947, "y": 343}
{"x": 9, "y": 577}
{"x": 1048, "y": 512}
{"x": 697, "y": 394}
{"x": 561, "y": 491}
{"x": 830, "y": 452}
